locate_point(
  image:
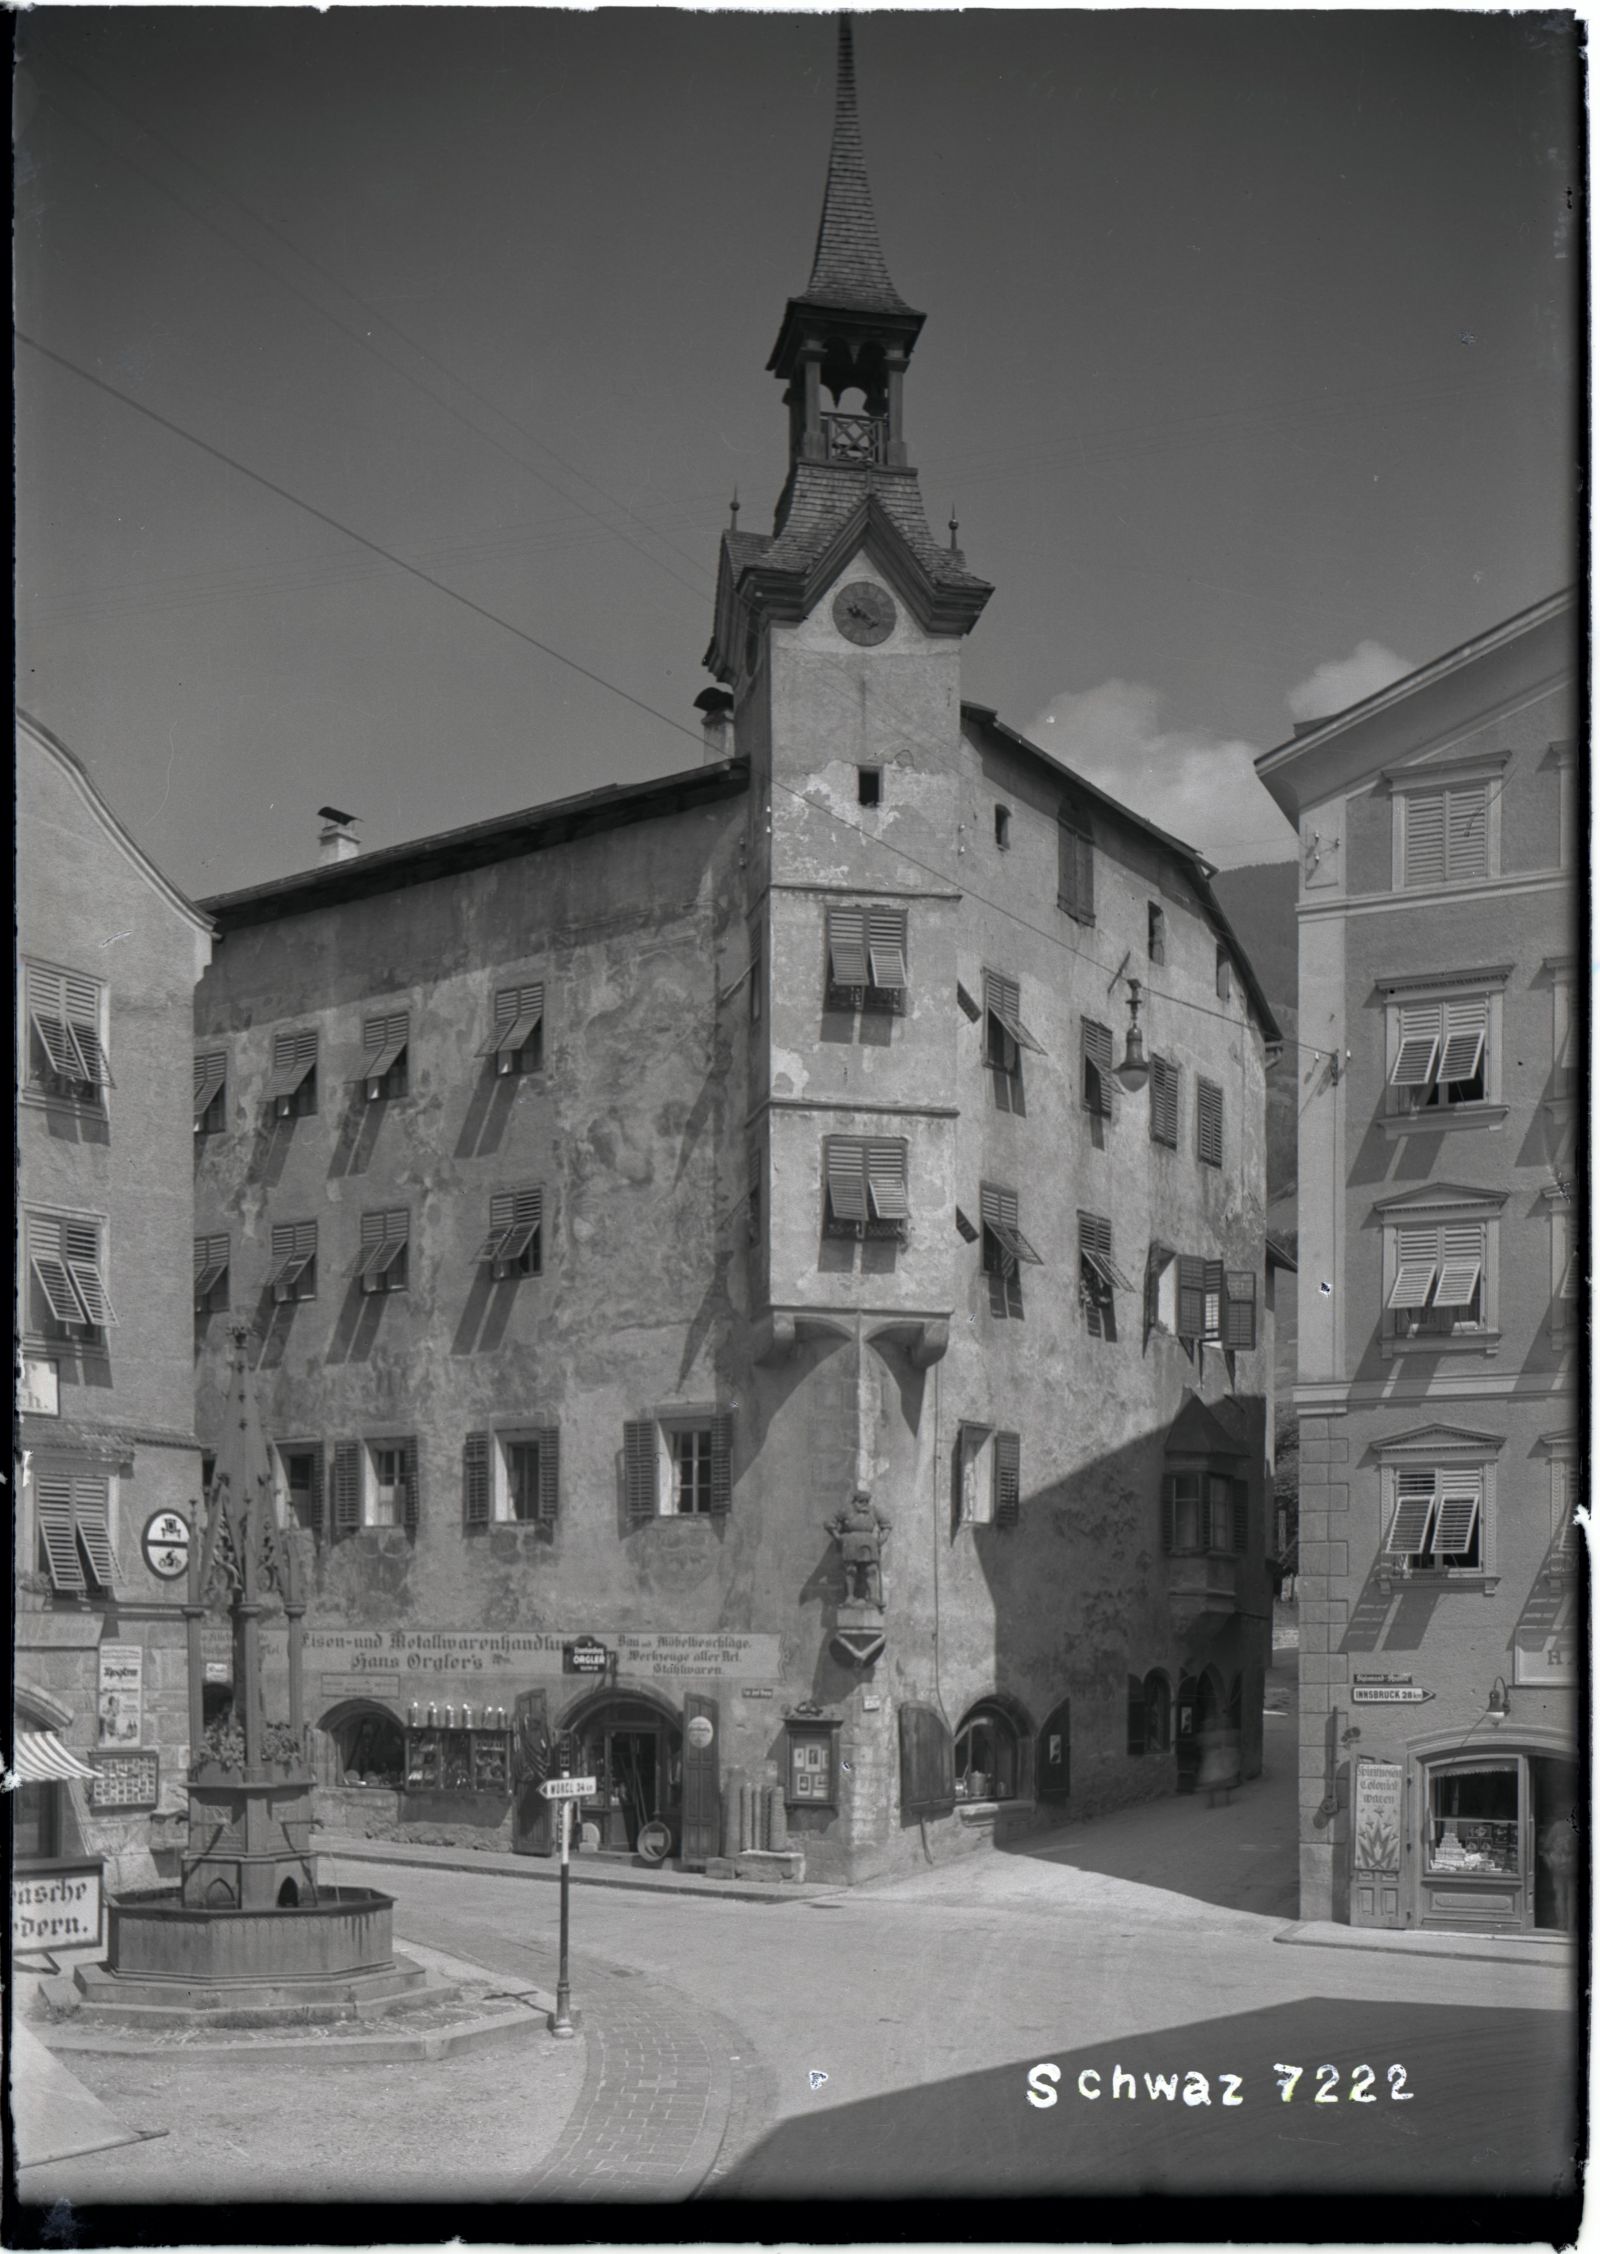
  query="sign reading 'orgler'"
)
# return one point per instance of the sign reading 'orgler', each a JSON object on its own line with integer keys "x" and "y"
{"x": 440, "y": 1654}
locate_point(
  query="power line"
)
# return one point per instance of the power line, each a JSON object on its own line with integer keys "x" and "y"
{"x": 348, "y": 532}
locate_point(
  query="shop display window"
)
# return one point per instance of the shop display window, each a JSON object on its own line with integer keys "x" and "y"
{"x": 986, "y": 1756}
{"x": 458, "y": 1760}
{"x": 1474, "y": 1819}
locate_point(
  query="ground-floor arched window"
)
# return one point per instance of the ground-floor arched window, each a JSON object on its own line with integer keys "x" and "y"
{"x": 1157, "y": 1712}
{"x": 986, "y": 1755}
{"x": 370, "y": 1747}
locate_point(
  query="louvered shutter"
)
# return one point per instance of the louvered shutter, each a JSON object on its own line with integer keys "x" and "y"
{"x": 1219, "y": 1512}
{"x": 549, "y": 1437}
{"x": 1208, "y": 1122}
{"x": 847, "y": 947}
{"x": 1466, "y": 1027}
{"x": 383, "y": 1038}
{"x": 1416, "y": 1259}
{"x": 52, "y": 1507}
{"x": 1097, "y": 1067}
{"x": 1075, "y": 879}
{"x": 1241, "y": 1516}
{"x": 886, "y": 949}
{"x": 1191, "y": 1296}
{"x": 314, "y": 1495}
{"x": 1003, "y": 1000}
{"x": 80, "y": 1239}
{"x": 1239, "y": 1308}
{"x": 886, "y": 1181}
{"x": 1213, "y": 1314}
{"x": 845, "y": 1160}
{"x": 721, "y": 1464}
{"x": 346, "y": 1488}
{"x": 475, "y": 1484}
{"x": 518, "y": 1011}
{"x": 210, "y": 1074}
{"x": 1424, "y": 839}
{"x": 1413, "y": 1511}
{"x": 45, "y": 1002}
{"x": 927, "y": 1762}
{"x": 293, "y": 1055}
{"x": 1421, "y": 1028}
{"x": 641, "y": 1474}
{"x": 1136, "y": 1718}
{"x": 410, "y": 1497}
{"x": 1007, "y": 1478}
{"x": 1460, "y": 1264}
{"x": 1164, "y": 1102}
{"x": 1457, "y": 1519}
{"x": 45, "y": 1258}
{"x": 91, "y": 1504}
{"x": 82, "y": 997}
{"x": 1467, "y": 831}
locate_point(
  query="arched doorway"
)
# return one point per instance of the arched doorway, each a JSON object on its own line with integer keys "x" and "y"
{"x": 1055, "y": 1753}
{"x": 632, "y": 1745}
{"x": 360, "y": 1743}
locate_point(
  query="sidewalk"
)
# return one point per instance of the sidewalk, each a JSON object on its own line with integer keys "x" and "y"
{"x": 587, "y": 1870}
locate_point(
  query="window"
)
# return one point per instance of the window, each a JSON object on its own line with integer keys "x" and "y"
{"x": 1437, "y": 1278}
{"x": 1434, "y": 1519}
{"x": 988, "y": 1470}
{"x": 1204, "y": 1512}
{"x": 1097, "y": 1080}
{"x": 299, "y": 1488}
{"x": 1156, "y": 933}
{"x": 374, "y": 1484}
{"x": 1566, "y": 1282}
{"x": 512, "y": 1478}
{"x": 1208, "y": 1123}
{"x": 517, "y": 1042}
{"x": 1239, "y": 1308}
{"x": 66, "y": 1270}
{"x": 1075, "y": 848}
{"x": 72, "y": 1514}
{"x": 515, "y": 1243}
{"x": 384, "y": 1045}
{"x": 1099, "y": 1277}
{"x": 211, "y": 1093}
{"x": 1224, "y": 973}
{"x": 985, "y": 1755}
{"x": 1438, "y": 1054}
{"x": 810, "y": 1779}
{"x": 865, "y": 1184}
{"x": 1004, "y": 1244}
{"x": 1004, "y": 1034}
{"x": 1002, "y": 827}
{"x": 1149, "y": 1713}
{"x": 1164, "y": 1102}
{"x": 293, "y": 1273}
{"x": 866, "y": 958}
{"x": 211, "y": 1274}
{"x": 869, "y": 786}
{"x": 292, "y": 1088}
{"x": 381, "y": 1264}
{"x": 678, "y": 1465}
{"x": 1475, "y": 1818}
{"x": 66, "y": 1034}
{"x": 1444, "y": 834}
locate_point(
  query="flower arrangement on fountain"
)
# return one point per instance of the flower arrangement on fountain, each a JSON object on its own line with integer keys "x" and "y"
{"x": 222, "y": 1746}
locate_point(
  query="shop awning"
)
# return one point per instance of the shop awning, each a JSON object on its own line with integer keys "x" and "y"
{"x": 43, "y": 1759}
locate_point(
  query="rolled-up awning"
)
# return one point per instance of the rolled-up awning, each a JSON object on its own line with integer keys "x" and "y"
{"x": 43, "y": 1759}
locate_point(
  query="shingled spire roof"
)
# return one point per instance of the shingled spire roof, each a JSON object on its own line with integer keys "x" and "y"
{"x": 848, "y": 267}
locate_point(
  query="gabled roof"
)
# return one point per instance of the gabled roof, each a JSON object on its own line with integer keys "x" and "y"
{"x": 78, "y": 776}
{"x": 1199, "y": 1431}
{"x": 1196, "y": 866}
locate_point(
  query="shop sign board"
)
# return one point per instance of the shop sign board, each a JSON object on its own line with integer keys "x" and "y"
{"x": 55, "y": 1909}
{"x": 361, "y": 1686}
{"x": 465, "y": 1656}
{"x": 121, "y": 1705}
{"x": 585, "y": 1655}
{"x": 1377, "y": 1824}
{"x": 569, "y": 1788}
{"x": 124, "y": 1782}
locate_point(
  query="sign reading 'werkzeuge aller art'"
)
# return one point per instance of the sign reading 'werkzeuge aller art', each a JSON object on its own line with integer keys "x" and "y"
{"x": 435, "y": 1654}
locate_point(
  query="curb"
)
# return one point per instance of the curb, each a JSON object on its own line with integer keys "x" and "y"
{"x": 714, "y": 1889}
{"x": 1443, "y": 1948}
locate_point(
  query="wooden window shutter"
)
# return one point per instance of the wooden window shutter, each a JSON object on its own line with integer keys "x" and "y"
{"x": 721, "y": 1464}
{"x": 847, "y": 947}
{"x": 52, "y": 1507}
{"x": 90, "y": 1509}
{"x": 886, "y": 1181}
{"x": 1191, "y": 1296}
{"x": 1136, "y": 1715}
{"x": 1156, "y": 1261}
{"x": 410, "y": 1500}
{"x": 1467, "y": 831}
{"x": 1075, "y": 881}
{"x": 1164, "y": 1102}
{"x": 346, "y": 1487}
{"x": 1239, "y": 1308}
{"x": 640, "y": 1474}
{"x": 886, "y": 948}
{"x": 1208, "y": 1123}
{"x": 1007, "y": 1478}
{"x": 1168, "y": 1501}
{"x": 210, "y": 1076}
{"x": 1466, "y": 1027}
{"x": 475, "y": 1499}
{"x": 1413, "y": 1512}
{"x": 549, "y": 1473}
{"x": 927, "y": 1761}
{"x": 1417, "y": 1053}
{"x": 846, "y": 1163}
{"x": 314, "y": 1495}
{"x": 1241, "y": 1516}
{"x": 1424, "y": 838}
{"x": 1097, "y": 1057}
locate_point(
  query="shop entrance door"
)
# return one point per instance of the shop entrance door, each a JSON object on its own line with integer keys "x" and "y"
{"x": 1557, "y": 1845}
{"x": 631, "y": 1750}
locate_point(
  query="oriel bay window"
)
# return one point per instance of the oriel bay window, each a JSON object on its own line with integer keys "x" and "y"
{"x": 865, "y": 1188}
{"x": 512, "y": 1478}
{"x": 381, "y": 1264}
{"x": 67, "y": 1297}
{"x": 1204, "y": 1512}
{"x": 292, "y": 1085}
{"x": 385, "y": 1042}
{"x": 514, "y": 1245}
{"x": 678, "y": 1464}
{"x": 375, "y": 1484}
{"x": 866, "y": 958}
{"x": 517, "y": 1042}
{"x": 71, "y": 1512}
{"x": 66, "y": 1034}
{"x": 1099, "y": 1277}
{"x": 293, "y": 1273}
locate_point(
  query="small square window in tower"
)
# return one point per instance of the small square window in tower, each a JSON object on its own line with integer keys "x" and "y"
{"x": 869, "y": 786}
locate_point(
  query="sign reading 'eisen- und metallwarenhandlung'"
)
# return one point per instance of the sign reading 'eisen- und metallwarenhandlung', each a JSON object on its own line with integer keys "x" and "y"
{"x": 477, "y": 1655}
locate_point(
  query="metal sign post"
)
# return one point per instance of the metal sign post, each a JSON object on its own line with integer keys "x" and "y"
{"x": 566, "y": 1790}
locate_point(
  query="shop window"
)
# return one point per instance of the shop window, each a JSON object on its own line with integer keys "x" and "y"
{"x": 1437, "y": 1279}
{"x": 65, "y": 1014}
{"x": 72, "y": 1518}
{"x": 1475, "y": 1819}
{"x": 385, "y": 1046}
{"x": 211, "y": 1092}
{"x": 374, "y": 1484}
{"x": 1164, "y": 1102}
{"x": 1204, "y": 1513}
{"x": 811, "y": 1765}
{"x": 211, "y": 1274}
{"x": 517, "y": 1041}
{"x": 678, "y": 1465}
{"x": 1097, "y": 1075}
{"x": 988, "y": 1476}
{"x": 382, "y": 1264}
{"x": 1436, "y": 1519}
{"x": 292, "y": 1084}
{"x": 1075, "y": 863}
{"x": 515, "y": 1243}
{"x": 866, "y": 958}
{"x": 371, "y": 1750}
{"x": 1099, "y": 1277}
{"x": 985, "y": 1755}
{"x": 1208, "y": 1123}
{"x": 927, "y": 1771}
{"x": 299, "y": 1486}
{"x": 865, "y": 1188}
{"x": 293, "y": 1273}
{"x": 67, "y": 1295}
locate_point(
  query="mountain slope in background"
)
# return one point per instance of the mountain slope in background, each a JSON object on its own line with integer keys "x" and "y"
{"x": 1259, "y": 902}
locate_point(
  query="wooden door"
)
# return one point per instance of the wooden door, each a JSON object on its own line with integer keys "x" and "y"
{"x": 532, "y": 1830}
{"x": 702, "y": 1779}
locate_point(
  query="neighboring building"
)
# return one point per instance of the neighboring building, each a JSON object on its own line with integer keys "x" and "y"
{"x": 1440, "y": 1295}
{"x": 109, "y": 954}
{"x": 621, "y": 1187}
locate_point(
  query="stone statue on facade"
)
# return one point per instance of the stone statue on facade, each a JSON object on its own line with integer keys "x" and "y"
{"x": 861, "y": 1532}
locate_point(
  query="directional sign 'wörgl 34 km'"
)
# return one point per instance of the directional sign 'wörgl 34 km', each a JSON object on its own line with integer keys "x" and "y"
{"x": 569, "y": 1788}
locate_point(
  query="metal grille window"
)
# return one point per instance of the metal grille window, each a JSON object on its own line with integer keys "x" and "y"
{"x": 1434, "y": 1519}
{"x": 210, "y": 1274}
{"x": 1439, "y": 1052}
{"x": 1075, "y": 849}
{"x": 293, "y": 1273}
{"x": 292, "y": 1087}
{"x": 678, "y": 1465}
{"x": 866, "y": 1187}
{"x": 66, "y": 1045}
{"x": 1208, "y": 1123}
{"x": 72, "y": 1515}
{"x": 211, "y": 1092}
{"x": 867, "y": 958}
{"x": 1004, "y": 1244}
{"x": 515, "y": 1243}
{"x": 1164, "y": 1102}
{"x": 1446, "y": 835}
{"x": 1097, "y": 1077}
{"x": 1005, "y": 1035}
{"x": 385, "y": 1042}
{"x": 1438, "y": 1278}
{"x": 1156, "y": 933}
{"x": 382, "y": 1262}
{"x": 66, "y": 1267}
{"x": 517, "y": 1042}
{"x": 1099, "y": 1277}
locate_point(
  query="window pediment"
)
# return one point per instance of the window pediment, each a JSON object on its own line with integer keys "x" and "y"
{"x": 1434, "y": 1200}
{"x": 1491, "y": 977}
{"x": 1433, "y": 1441}
{"x": 1430, "y": 774}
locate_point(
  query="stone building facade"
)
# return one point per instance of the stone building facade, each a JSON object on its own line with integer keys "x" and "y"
{"x": 1441, "y": 1263}
{"x": 622, "y": 1189}
{"x": 109, "y": 953}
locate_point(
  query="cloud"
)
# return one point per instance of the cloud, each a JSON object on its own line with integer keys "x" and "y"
{"x": 1345, "y": 681}
{"x": 1197, "y": 786}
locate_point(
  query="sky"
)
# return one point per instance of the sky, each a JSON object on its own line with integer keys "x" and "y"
{"x": 1251, "y": 372}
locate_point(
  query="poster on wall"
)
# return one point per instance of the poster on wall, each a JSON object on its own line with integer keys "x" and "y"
{"x": 121, "y": 1694}
{"x": 1377, "y": 1823}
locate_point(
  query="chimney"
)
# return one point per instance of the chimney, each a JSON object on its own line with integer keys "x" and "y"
{"x": 337, "y": 840}
{"x": 715, "y": 707}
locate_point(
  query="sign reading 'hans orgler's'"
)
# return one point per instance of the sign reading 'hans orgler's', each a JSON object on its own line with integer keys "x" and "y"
{"x": 421, "y": 1655}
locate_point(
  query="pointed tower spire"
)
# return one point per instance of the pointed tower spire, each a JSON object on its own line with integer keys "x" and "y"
{"x": 848, "y": 267}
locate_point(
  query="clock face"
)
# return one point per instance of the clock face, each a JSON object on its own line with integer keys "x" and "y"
{"x": 864, "y": 612}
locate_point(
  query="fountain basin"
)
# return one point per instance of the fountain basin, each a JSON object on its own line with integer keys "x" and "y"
{"x": 345, "y": 1932}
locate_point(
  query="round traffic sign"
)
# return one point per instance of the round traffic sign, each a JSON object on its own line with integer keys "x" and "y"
{"x": 166, "y": 1544}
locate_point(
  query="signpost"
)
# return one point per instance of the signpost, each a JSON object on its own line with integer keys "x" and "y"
{"x": 565, "y": 1790}
{"x": 1387, "y": 1694}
